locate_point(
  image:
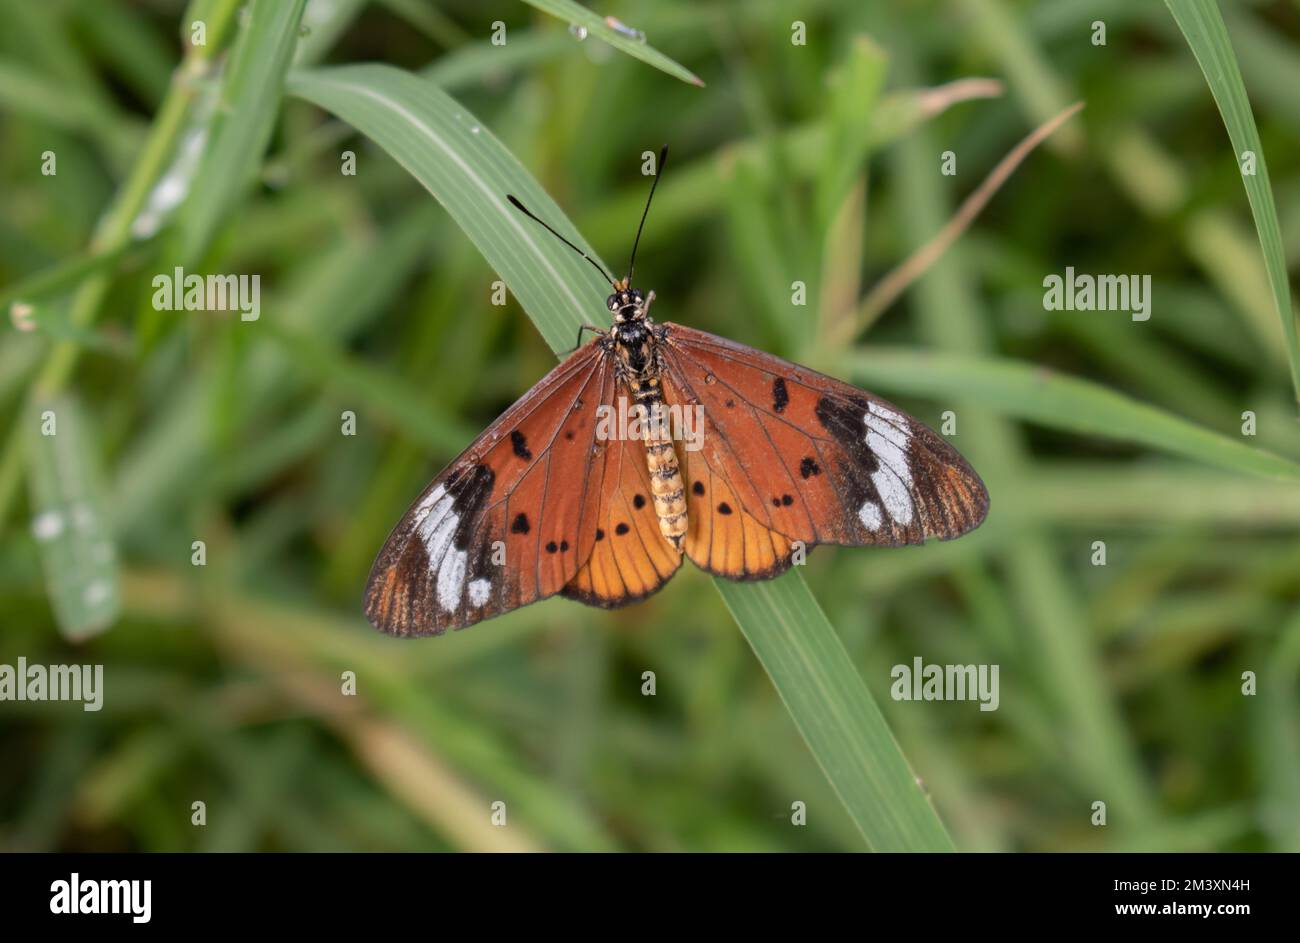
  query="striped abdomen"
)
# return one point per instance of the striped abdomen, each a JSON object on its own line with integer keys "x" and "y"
{"x": 666, "y": 486}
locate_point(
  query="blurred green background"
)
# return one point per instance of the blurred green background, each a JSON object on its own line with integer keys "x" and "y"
{"x": 817, "y": 163}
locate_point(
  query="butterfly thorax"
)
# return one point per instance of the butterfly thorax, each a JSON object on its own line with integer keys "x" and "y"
{"x": 635, "y": 342}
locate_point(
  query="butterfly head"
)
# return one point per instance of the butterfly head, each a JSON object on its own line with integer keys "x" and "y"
{"x": 626, "y": 304}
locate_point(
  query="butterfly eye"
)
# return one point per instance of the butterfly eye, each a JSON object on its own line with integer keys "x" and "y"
{"x": 611, "y": 302}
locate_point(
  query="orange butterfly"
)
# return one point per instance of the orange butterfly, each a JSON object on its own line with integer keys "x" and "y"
{"x": 558, "y": 497}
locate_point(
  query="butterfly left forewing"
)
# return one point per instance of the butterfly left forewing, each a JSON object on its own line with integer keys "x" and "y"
{"x": 503, "y": 525}
{"x": 807, "y": 457}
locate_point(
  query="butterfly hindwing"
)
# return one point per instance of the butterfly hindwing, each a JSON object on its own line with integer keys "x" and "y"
{"x": 806, "y": 458}
{"x": 507, "y": 522}
{"x": 722, "y": 537}
{"x": 630, "y": 559}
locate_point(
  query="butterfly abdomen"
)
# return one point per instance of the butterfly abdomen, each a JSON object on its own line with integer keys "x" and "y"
{"x": 666, "y": 486}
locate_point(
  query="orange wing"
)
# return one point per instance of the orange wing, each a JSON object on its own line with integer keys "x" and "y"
{"x": 788, "y": 454}
{"x": 630, "y": 559}
{"x": 510, "y": 521}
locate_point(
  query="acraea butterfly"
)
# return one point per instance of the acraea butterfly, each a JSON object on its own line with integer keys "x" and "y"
{"x": 552, "y": 499}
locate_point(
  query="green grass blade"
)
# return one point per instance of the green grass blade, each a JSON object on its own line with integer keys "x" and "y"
{"x": 246, "y": 113}
{"x": 1061, "y": 402}
{"x": 469, "y": 171}
{"x": 578, "y": 15}
{"x": 63, "y": 276}
{"x": 1203, "y": 27}
{"x": 835, "y": 714}
{"x": 70, "y": 520}
{"x": 391, "y": 398}
{"x": 23, "y": 91}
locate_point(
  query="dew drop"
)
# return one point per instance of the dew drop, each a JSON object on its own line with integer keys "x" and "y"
{"x": 578, "y": 32}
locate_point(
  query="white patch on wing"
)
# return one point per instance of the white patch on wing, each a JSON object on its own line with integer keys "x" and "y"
{"x": 479, "y": 590}
{"x": 869, "y": 514}
{"x": 432, "y": 498}
{"x": 451, "y": 580}
{"x": 437, "y": 529}
{"x": 437, "y": 523}
{"x": 887, "y": 438}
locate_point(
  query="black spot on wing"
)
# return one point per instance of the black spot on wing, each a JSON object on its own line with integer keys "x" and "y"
{"x": 808, "y": 467}
{"x": 724, "y": 508}
{"x": 469, "y": 492}
{"x": 780, "y": 396}
{"x": 638, "y": 501}
{"x": 621, "y": 529}
{"x": 520, "y": 445}
{"x": 520, "y": 524}
{"x": 847, "y": 423}
{"x": 698, "y": 487}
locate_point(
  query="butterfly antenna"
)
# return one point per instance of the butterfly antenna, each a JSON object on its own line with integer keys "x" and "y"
{"x": 663, "y": 159}
{"x": 523, "y": 209}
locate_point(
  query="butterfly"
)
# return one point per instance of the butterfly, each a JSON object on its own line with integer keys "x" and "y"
{"x": 556, "y": 498}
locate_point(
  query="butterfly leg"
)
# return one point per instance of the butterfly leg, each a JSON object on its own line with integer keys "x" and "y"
{"x": 645, "y": 308}
{"x": 587, "y": 327}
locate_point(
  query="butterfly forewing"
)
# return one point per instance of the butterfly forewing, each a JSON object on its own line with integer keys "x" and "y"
{"x": 806, "y": 457}
{"x": 507, "y": 523}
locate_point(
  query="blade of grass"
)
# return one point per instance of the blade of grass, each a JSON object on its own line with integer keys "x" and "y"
{"x": 388, "y": 396}
{"x": 246, "y": 112}
{"x": 1061, "y": 402}
{"x": 63, "y": 276}
{"x": 114, "y": 228}
{"x": 835, "y": 714}
{"x": 594, "y": 23}
{"x": 70, "y": 520}
{"x": 24, "y": 91}
{"x": 1206, "y": 34}
{"x": 697, "y": 188}
{"x": 469, "y": 172}
{"x": 887, "y": 290}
